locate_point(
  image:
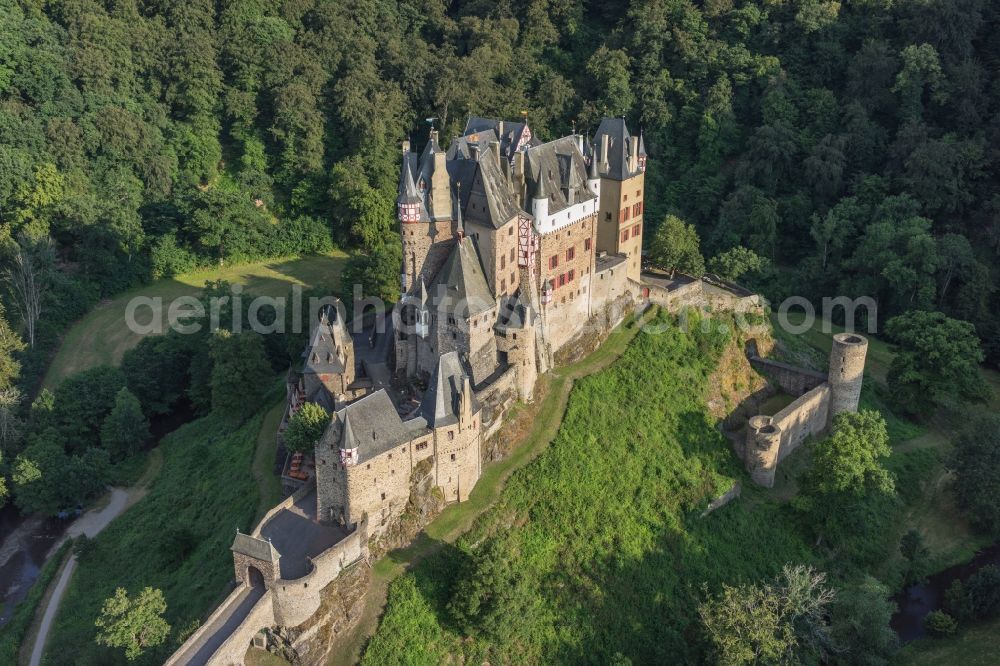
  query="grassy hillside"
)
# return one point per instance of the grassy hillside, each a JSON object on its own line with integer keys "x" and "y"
{"x": 102, "y": 337}
{"x": 177, "y": 539}
{"x": 596, "y": 551}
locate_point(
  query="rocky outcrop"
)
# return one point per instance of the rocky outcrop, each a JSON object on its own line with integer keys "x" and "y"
{"x": 341, "y": 607}
{"x": 425, "y": 503}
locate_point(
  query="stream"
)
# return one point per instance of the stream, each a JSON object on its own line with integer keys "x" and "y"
{"x": 916, "y": 601}
{"x": 26, "y": 541}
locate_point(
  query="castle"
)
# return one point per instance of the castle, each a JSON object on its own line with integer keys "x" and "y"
{"x": 511, "y": 248}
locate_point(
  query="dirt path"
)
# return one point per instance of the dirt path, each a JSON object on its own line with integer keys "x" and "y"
{"x": 539, "y": 422}
{"x": 90, "y": 525}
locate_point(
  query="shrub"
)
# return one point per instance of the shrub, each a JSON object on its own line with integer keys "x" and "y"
{"x": 939, "y": 623}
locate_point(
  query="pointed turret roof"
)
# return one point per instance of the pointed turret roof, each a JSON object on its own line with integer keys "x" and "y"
{"x": 440, "y": 404}
{"x": 323, "y": 355}
{"x": 459, "y": 225}
{"x": 540, "y": 191}
{"x": 407, "y": 188}
{"x": 642, "y": 145}
{"x": 460, "y": 286}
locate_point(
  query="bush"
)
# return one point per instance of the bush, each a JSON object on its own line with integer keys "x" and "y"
{"x": 939, "y": 623}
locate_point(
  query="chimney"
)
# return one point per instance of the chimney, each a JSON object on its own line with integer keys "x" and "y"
{"x": 633, "y": 153}
{"x": 518, "y": 176}
{"x": 406, "y": 146}
{"x": 579, "y": 143}
{"x": 434, "y": 137}
{"x": 495, "y": 150}
{"x": 474, "y": 151}
{"x": 500, "y": 129}
{"x": 604, "y": 149}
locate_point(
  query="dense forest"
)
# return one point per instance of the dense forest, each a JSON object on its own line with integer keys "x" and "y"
{"x": 851, "y": 145}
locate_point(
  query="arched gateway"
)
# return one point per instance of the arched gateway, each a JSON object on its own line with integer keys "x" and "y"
{"x": 255, "y": 561}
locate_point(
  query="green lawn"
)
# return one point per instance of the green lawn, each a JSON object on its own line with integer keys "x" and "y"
{"x": 176, "y": 538}
{"x": 601, "y": 548}
{"x": 101, "y": 337}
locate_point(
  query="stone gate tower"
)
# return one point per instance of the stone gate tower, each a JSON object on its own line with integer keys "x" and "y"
{"x": 847, "y": 368}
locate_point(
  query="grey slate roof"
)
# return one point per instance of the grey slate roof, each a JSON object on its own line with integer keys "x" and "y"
{"x": 559, "y": 170}
{"x": 259, "y": 549}
{"x": 618, "y": 147}
{"x": 440, "y": 404}
{"x": 488, "y": 198}
{"x": 373, "y": 426}
{"x": 484, "y": 130}
{"x": 321, "y": 355}
{"x": 460, "y": 286}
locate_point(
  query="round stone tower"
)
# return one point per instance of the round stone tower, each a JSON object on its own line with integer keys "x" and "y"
{"x": 761, "y": 451}
{"x": 847, "y": 368}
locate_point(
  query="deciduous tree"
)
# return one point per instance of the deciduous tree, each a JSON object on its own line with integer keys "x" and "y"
{"x": 675, "y": 245}
{"x": 306, "y": 427}
{"x": 125, "y": 430}
{"x": 134, "y": 624}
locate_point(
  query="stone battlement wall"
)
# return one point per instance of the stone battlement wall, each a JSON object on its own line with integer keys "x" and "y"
{"x": 296, "y": 600}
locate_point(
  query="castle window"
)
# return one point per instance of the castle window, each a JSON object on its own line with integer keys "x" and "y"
{"x": 636, "y": 229}
{"x": 503, "y": 285}
{"x": 383, "y": 497}
{"x": 586, "y": 244}
{"x": 627, "y": 213}
{"x": 607, "y": 216}
{"x": 638, "y": 193}
{"x": 570, "y": 253}
{"x": 562, "y": 280}
{"x": 452, "y": 457}
{"x": 503, "y": 261}
{"x": 451, "y": 435}
{"x": 421, "y": 446}
{"x": 510, "y": 230}
{"x": 554, "y": 261}
{"x": 512, "y": 279}
{"x": 570, "y": 276}
{"x": 390, "y": 456}
{"x": 368, "y": 466}
{"x": 511, "y": 255}
{"x": 626, "y": 197}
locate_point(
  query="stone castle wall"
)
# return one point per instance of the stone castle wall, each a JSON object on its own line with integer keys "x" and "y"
{"x": 234, "y": 648}
{"x": 805, "y": 416}
{"x": 497, "y": 397}
{"x": 295, "y": 601}
{"x": 792, "y": 380}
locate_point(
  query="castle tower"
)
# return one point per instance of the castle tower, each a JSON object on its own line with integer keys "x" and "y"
{"x": 763, "y": 444}
{"x": 847, "y": 367}
{"x": 622, "y": 164}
